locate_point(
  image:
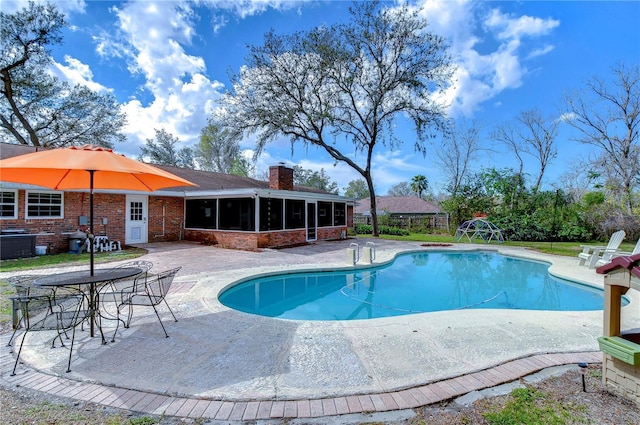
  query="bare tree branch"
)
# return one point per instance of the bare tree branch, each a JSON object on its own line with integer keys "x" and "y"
{"x": 345, "y": 83}
{"x": 607, "y": 115}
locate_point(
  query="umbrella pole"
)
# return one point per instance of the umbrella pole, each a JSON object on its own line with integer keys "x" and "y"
{"x": 91, "y": 237}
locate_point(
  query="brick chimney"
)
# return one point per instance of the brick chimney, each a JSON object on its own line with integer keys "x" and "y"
{"x": 280, "y": 177}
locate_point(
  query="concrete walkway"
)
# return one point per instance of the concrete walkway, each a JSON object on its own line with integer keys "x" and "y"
{"x": 225, "y": 365}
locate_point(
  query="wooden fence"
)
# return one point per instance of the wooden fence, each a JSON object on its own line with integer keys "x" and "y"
{"x": 432, "y": 221}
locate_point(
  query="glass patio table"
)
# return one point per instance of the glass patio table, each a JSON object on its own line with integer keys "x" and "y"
{"x": 81, "y": 280}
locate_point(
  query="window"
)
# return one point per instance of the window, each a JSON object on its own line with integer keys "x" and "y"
{"x": 200, "y": 213}
{"x": 294, "y": 214}
{"x": 270, "y": 214}
{"x": 325, "y": 214}
{"x": 44, "y": 204}
{"x": 136, "y": 209}
{"x": 237, "y": 214}
{"x": 9, "y": 204}
{"x": 339, "y": 214}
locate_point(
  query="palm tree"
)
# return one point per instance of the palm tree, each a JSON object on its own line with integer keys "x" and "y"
{"x": 419, "y": 184}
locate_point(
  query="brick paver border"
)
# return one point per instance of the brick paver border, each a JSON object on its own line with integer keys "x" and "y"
{"x": 197, "y": 407}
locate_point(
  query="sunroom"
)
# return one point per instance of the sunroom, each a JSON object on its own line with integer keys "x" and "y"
{"x": 253, "y": 219}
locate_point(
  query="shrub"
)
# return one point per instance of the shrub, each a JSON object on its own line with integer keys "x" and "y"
{"x": 366, "y": 229}
{"x": 363, "y": 229}
{"x": 395, "y": 231}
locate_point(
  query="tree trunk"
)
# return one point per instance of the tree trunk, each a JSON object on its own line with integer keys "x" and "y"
{"x": 373, "y": 211}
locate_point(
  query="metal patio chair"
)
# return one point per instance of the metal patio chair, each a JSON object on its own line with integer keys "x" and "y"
{"x": 112, "y": 295}
{"x": 23, "y": 285}
{"x": 151, "y": 294}
{"x": 48, "y": 313}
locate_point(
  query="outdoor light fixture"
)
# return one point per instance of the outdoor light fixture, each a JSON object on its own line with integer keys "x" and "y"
{"x": 583, "y": 371}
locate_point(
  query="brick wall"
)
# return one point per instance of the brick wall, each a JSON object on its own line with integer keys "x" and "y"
{"x": 207, "y": 237}
{"x": 282, "y": 238}
{"x": 327, "y": 233}
{"x": 109, "y": 206}
{"x": 252, "y": 240}
{"x": 165, "y": 218}
{"x": 621, "y": 378}
{"x": 280, "y": 177}
{"x": 224, "y": 238}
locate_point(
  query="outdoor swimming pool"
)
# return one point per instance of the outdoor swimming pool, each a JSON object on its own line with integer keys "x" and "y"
{"x": 416, "y": 282}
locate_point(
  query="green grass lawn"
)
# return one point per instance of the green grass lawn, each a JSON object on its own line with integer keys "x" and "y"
{"x": 569, "y": 249}
{"x": 44, "y": 261}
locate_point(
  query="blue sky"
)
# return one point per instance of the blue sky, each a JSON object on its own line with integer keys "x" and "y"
{"x": 168, "y": 61}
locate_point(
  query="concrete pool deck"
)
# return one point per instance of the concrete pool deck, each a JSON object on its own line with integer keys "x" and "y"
{"x": 226, "y": 365}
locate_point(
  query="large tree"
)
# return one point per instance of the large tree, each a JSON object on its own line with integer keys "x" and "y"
{"x": 531, "y": 134}
{"x": 459, "y": 149}
{"x": 420, "y": 185}
{"x": 606, "y": 114}
{"x": 345, "y": 85}
{"x": 163, "y": 150}
{"x": 219, "y": 150}
{"x": 36, "y": 108}
{"x": 357, "y": 189}
{"x": 401, "y": 189}
{"x": 539, "y": 135}
{"x": 317, "y": 179}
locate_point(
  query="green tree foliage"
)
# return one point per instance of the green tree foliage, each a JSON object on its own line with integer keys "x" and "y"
{"x": 357, "y": 189}
{"x": 520, "y": 213}
{"x": 420, "y": 185}
{"x": 162, "y": 150}
{"x": 37, "y": 108}
{"x": 317, "y": 179}
{"x": 400, "y": 189}
{"x": 346, "y": 82}
{"x": 506, "y": 187}
{"x": 470, "y": 198}
{"x": 219, "y": 150}
{"x": 241, "y": 166}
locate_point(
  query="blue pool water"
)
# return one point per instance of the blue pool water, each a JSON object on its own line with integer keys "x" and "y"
{"x": 413, "y": 283}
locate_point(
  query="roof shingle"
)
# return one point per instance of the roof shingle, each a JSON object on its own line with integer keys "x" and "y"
{"x": 206, "y": 180}
{"x": 398, "y": 205}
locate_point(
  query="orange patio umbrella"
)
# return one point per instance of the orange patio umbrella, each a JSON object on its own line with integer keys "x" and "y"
{"x": 86, "y": 167}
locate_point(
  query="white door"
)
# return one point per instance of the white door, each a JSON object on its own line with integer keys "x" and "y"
{"x": 311, "y": 222}
{"x": 136, "y": 222}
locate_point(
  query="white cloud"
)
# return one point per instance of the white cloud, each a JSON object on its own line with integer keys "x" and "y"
{"x": 393, "y": 167}
{"x": 567, "y": 117}
{"x": 77, "y": 72}
{"x": 540, "y": 51}
{"x": 154, "y": 36}
{"x": 245, "y": 8}
{"x": 486, "y": 71}
{"x": 507, "y": 27}
{"x": 218, "y": 22}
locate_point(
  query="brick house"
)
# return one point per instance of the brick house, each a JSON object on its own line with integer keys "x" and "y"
{"x": 232, "y": 211}
{"x": 403, "y": 211}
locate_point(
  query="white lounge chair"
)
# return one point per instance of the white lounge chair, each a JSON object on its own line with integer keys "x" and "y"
{"x": 591, "y": 254}
{"x": 602, "y": 261}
